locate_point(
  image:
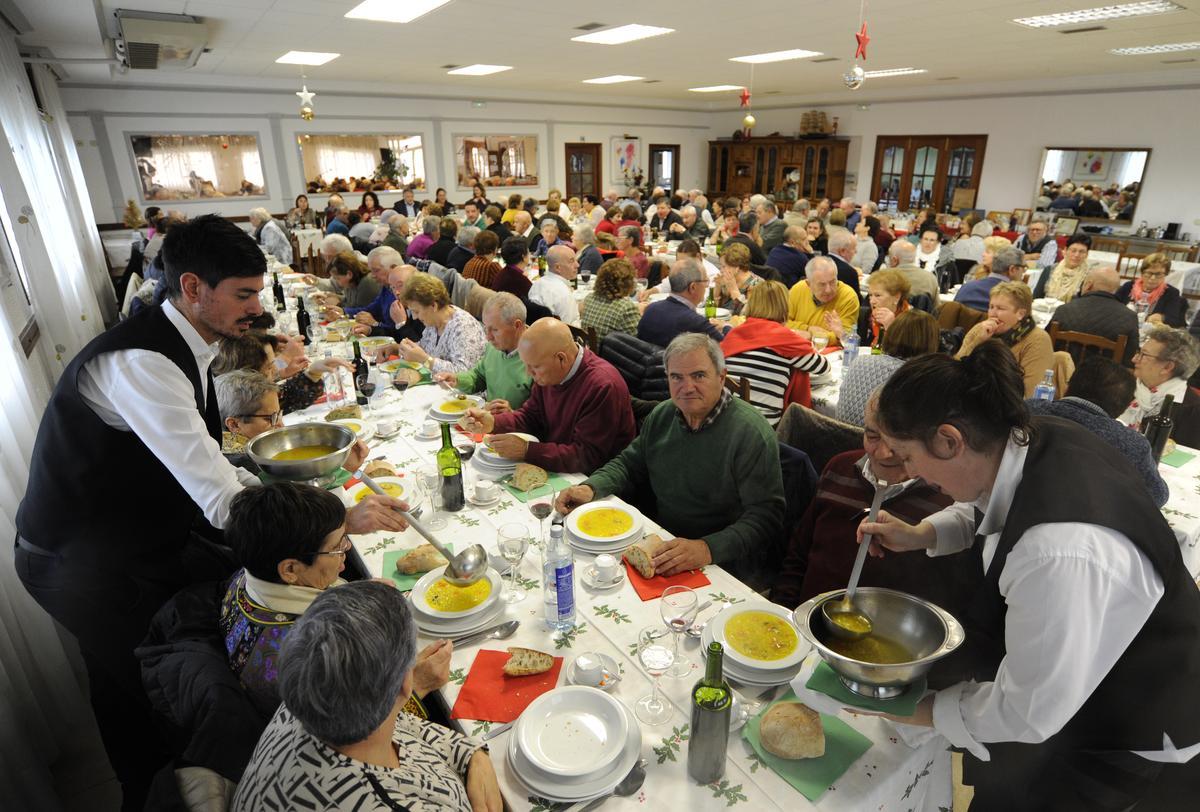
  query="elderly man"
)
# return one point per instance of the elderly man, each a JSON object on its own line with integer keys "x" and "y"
{"x": 1038, "y": 245}
{"x": 381, "y": 261}
{"x": 822, "y": 210}
{"x": 523, "y": 227}
{"x": 852, "y": 216}
{"x": 689, "y": 227}
{"x": 1007, "y": 266}
{"x": 770, "y": 227}
{"x": 589, "y": 256}
{"x": 1097, "y": 311}
{"x": 270, "y": 235}
{"x": 419, "y": 247}
{"x": 799, "y": 213}
{"x": 1167, "y": 359}
{"x": 902, "y": 257}
{"x": 663, "y": 217}
{"x": 473, "y": 215}
{"x": 685, "y": 249}
{"x": 843, "y": 245}
{"x": 821, "y": 303}
{"x": 677, "y": 313}
{"x": 553, "y": 289}
{"x": 579, "y": 406}
{"x": 340, "y": 222}
{"x": 464, "y": 248}
{"x": 500, "y": 372}
{"x": 407, "y": 204}
{"x": 792, "y": 255}
{"x": 700, "y": 437}
{"x": 397, "y": 233}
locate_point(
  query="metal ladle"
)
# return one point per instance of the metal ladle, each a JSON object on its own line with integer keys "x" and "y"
{"x": 841, "y": 616}
{"x": 463, "y": 569}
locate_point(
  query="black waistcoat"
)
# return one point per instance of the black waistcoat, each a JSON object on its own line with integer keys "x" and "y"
{"x": 1034, "y": 247}
{"x": 97, "y": 494}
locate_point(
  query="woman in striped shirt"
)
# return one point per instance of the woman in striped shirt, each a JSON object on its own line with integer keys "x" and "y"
{"x": 776, "y": 360}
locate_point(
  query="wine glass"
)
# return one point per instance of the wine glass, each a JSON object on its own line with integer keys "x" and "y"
{"x": 367, "y": 387}
{"x": 820, "y": 342}
{"x": 513, "y": 541}
{"x": 678, "y": 607}
{"x": 656, "y": 658}
{"x": 400, "y": 383}
{"x": 431, "y": 480}
{"x": 541, "y": 508}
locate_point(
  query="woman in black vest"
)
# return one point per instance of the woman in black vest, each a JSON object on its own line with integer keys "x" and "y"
{"x": 1084, "y": 628}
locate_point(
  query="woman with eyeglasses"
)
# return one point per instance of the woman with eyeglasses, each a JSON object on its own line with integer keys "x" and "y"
{"x": 291, "y": 542}
{"x": 1164, "y": 303}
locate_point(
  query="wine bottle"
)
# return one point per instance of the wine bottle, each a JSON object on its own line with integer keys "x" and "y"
{"x": 1157, "y": 428}
{"x": 277, "y": 292}
{"x": 710, "y": 305}
{"x": 360, "y": 363}
{"x": 712, "y": 703}
{"x": 449, "y": 465}
{"x": 303, "y": 322}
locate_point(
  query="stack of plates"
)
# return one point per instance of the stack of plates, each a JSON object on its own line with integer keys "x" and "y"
{"x": 454, "y": 624}
{"x": 574, "y": 744}
{"x": 584, "y": 535}
{"x": 446, "y": 409}
{"x": 491, "y": 465}
{"x": 365, "y": 429}
{"x": 746, "y": 668}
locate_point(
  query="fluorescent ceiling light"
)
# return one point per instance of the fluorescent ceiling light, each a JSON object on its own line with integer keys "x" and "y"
{"x": 714, "y": 88}
{"x": 479, "y": 70}
{"x": 776, "y": 56}
{"x": 1157, "y": 49}
{"x": 393, "y": 11}
{"x": 622, "y": 34}
{"x": 612, "y": 80}
{"x": 306, "y": 58}
{"x": 878, "y": 74}
{"x": 1091, "y": 15}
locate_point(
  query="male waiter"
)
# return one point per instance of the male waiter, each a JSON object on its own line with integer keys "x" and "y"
{"x": 126, "y": 459}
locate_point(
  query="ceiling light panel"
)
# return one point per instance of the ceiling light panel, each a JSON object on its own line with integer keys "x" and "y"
{"x": 881, "y": 74}
{"x": 1091, "y": 15}
{"x": 393, "y": 11}
{"x": 623, "y": 34}
{"x": 306, "y": 58}
{"x": 612, "y": 80}
{"x": 714, "y": 88}
{"x": 479, "y": 70}
{"x": 1172, "y": 48}
{"x": 776, "y": 56}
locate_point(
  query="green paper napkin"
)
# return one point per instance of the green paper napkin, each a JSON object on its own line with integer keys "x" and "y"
{"x": 825, "y": 681}
{"x": 405, "y": 582}
{"x": 1177, "y": 458}
{"x": 554, "y": 483}
{"x": 812, "y": 776}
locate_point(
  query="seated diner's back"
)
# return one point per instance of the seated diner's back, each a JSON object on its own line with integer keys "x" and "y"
{"x": 640, "y": 364}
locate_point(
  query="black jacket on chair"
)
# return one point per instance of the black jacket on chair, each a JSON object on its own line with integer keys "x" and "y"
{"x": 640, "y": 364}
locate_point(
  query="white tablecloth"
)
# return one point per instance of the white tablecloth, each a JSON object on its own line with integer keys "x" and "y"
{"x": 308, "y": 238}
{"x": 1183, "y": 507}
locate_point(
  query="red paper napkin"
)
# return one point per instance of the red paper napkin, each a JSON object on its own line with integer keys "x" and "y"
{"x": 650, "y": 588}
{"x": 489, "y": 695}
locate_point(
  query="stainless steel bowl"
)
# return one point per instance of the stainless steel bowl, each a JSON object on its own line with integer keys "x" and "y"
{"x": 925, "y": 629}
{"x": 263, "y": 449}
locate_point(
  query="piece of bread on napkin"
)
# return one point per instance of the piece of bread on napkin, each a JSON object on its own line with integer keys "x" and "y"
{"x": 353, "y": 411}
{"x": 792, "y": 730}
{"x": 641, "y": 555}
{"x": 523, "y": 662}
{"x": 419, "y": 559}
{"x": 526, "y": 477}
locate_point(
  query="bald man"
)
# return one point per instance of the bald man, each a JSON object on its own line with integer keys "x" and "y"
{"x": 579, "y": 406}
{"x": 553, "y": 290}
{"x": 523, "y": 227}
{"x": 1098, "y": 311}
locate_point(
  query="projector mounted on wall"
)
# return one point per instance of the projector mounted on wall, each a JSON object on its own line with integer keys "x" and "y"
{"x": 154, "y": 41}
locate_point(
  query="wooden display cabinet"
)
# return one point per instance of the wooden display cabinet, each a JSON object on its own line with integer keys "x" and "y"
{"x": 788, "y": 168}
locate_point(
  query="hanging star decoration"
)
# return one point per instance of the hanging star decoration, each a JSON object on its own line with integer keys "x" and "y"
{"x": 863, "y": 40}
{"x": 745, "y": 97}
{"x": 306, "y": 107}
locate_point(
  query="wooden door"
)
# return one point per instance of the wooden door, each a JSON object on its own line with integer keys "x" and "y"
{"x": 583, "y": 169}
{"x": 664, "y": 166}
{"x": 913, "y": 172}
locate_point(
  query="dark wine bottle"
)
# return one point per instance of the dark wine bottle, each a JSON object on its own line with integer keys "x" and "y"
{"x": 277, "y": 292}
{"x": 1157, "y": 428}
{"x": 303, "y": 322}
{"x": 449, "y": 465}
{"x": 360, "y": 363}
{"x": 712, "y": 702}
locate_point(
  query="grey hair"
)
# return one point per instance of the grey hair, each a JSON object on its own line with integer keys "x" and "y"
{"x": 903, "y": 252}
{"x": 467, "y": 235}
{"x": 689, "y": 342}
{"x": 874, "y": 208}
{"x": 584, "y": 235}
{"x": 757, "y": 200}
{"x": 685, "y": 272}
{"x": 695, "y": 211}
{"x": 548, "y": 221}
{"x": 840, "y": 239}
{"x": 343, "y": 664}
{"x": 397, "y": 222}
{"x": 387, "y": 256}
{"x": 983, "y": 228}
{"x": 1004, "y": 260}
{"x": 701, "y": 201}
{"x": 507, "y": 306}
{"x": 431, "y": 226}
{"x": 632, "y": 232}
{"x": 1178, "y": 347}
{"x": 260, "y": 214}
{"x": 802, "y": 205}
{"x": 818, "y": 264}
{"x": 1041, "y": 220}
{"x": 768, "y": 206}
{"x": 339, "y": 241}
{"x": 240, "y": 391}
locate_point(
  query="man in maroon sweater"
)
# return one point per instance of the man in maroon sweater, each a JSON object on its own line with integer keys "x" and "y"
{"x": 579, "y": 406}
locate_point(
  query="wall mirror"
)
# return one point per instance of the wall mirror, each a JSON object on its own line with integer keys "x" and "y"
{"x": 1103, "y": 184}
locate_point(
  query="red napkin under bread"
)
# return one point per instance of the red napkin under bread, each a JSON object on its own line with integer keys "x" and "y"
{"x": 490, "y": 695}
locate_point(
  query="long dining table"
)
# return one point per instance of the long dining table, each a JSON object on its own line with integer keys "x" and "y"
{"x": 891, "y": 775}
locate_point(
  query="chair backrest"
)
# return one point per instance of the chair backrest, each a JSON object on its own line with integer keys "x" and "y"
{"x": 1110, "y": 245}
{"x": 477, "y": 298}
{"x": 1129, "y": 263}
{"x": 955, "y": 314}
{"x": 1080, "y": 344}
{"x": 767, "y": 272}
{"x": 1176, "y": 253}
{"x": 131, "y": 289}
{"x": 962, "y": 267}
{"x": 297, "y": 260}
{"x": 821, "y": 437}
{"x": 1064, "y": 368}
{"x": 738, "y": 386}
{"x": 586, "y": 335}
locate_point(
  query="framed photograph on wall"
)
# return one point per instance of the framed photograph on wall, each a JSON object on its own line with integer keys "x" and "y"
{"x": 1021, "y": 217}
{"x": 626, "y": 155}
{"x": 1066, "y": 226}
{"x": 1091, "y": 164}
{"x": 495, "y": 160}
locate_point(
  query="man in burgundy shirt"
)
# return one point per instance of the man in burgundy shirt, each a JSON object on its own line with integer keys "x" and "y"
{"x": 579, "y": 406}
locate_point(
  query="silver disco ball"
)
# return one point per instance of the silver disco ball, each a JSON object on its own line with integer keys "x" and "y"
{"x": 854, "y": 78}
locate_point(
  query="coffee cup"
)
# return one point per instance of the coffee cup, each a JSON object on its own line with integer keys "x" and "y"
{"x": 387, "y": 427}
{"x": 589, "y": 670}
{"x": 485, "y": 491}
{"x": 429, "y": 428}
{"x": 606, "y": 568}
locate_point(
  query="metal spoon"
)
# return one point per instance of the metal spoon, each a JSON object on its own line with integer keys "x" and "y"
{"x": 463, "y": 569}
{"x": 696, "y": 629}
{"x": 842, "y": 617}
{"x": 629, "y": 785}
{"x": 499, "y": 632}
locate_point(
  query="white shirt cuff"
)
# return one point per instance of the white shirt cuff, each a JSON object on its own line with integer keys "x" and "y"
{"x": 947, "y": 720}
{"x": 952, "y": 533}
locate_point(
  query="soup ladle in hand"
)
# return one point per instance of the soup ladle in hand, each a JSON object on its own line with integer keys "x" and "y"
{"x": 841, "y": 616}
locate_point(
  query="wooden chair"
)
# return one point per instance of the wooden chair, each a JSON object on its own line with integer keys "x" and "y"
{"x": 1079, "y": 345}
{"x": 1110, "y": 245}
{"x": 297, "y": 259}
{"x": 953, "y": 314}
{"x": 1176, "y": 253}
{"x": 588, "y": 336}
{"x": 1129, "y": 263}
{"x": 738, "y": 386}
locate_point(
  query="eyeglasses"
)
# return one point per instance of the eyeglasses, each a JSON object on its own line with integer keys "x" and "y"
{"x": 273, "y": 418}
{"x": 1140, "y": 354}
{"x": 1153, "y": 275}
{"x": 342, "y": 548}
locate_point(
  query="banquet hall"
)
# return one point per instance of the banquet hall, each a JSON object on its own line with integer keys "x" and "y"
{"x": 332, "y": 341}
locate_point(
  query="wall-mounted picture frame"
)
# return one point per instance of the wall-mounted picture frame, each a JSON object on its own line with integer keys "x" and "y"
{"x": 1021, "y": 217}
{"x": 999, "y": 219}
{"x": 1091, "y": 164}
{"x": 495, "y": 160}
{"x": 626, "y": 159}
{"x": 1066, "y": 226}
{"x": 196, "y": 166}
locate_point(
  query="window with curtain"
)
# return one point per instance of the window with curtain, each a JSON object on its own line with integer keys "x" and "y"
{"x": 348, "y": 163}
{"x": 496, "y": 160}
{"x": 190, "y": 167}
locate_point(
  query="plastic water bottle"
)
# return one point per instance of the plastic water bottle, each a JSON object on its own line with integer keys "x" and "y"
{"x": 332, "y": 381}
{"x": 1143, "y": 308}
{"x": 849, "y": 348}
{"x": 1045, "y": 389}
{"x": 558, "y": 576}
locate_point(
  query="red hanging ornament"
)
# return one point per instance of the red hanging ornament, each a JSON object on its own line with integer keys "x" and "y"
{"x": 863, "y": 39}
{"x": 745, "y": 97}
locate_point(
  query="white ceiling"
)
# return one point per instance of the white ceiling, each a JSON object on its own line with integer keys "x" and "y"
{"x": 973, "y": 41}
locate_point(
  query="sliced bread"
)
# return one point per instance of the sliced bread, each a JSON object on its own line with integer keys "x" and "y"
{"x": 641, "y": 555}
{"x": 526, "y": 477}
{"x": 525, "y": 661}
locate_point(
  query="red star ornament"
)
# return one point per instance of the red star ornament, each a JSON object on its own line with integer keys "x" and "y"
{"x": 863, "y": 39}
{"x": 745, "y": 97}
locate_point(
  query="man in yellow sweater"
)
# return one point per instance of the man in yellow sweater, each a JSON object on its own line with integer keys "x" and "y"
{"x": 821, "y": 301}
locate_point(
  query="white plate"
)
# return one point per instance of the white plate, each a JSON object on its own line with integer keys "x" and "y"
{"x": 362, "y": 427}
{"x": 574, "y": 731}
{"x": 589, "y": 578}
{"x": 746, "y": 675}
{"x": 458, "y": 628}
{"x": 428, "y": 579}
{"x": 472, "y": 400}
{"x": 722, "y": 312}
{"x": 578, "y": 513}
{"x": 717, "y": 627}
{"x": 359, "y": 491}
{"x": 596, "y": 549}
{"x": 505, "y": 467}
{"x": 607, "y": 663}
{"x": 495, "y": 459}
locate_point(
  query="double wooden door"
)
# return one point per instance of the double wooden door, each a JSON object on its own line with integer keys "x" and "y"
{"x": 916, "y": 171}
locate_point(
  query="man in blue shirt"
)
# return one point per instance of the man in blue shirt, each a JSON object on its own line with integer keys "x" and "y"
{"x": 676, "y": 314}
{"x": 1008, "y": 265}
{"x": 790, "y": 257}
{"x": 378, "y": 314}
{"x": 339, "y": 224}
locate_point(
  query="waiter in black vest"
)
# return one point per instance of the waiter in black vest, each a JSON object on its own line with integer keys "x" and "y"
{"x": 1083, "y": 634}
{"x": 126, "y": 460}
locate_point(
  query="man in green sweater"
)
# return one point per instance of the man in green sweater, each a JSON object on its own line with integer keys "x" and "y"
{"x": 500, "y": 371}
{"x": 710, "y": 460}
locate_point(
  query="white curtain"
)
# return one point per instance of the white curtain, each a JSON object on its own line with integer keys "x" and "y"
{"x": 346, "y": 156}
{"x": 178, "y": 163}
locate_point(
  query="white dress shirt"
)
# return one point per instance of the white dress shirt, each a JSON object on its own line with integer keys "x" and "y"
{"x": 554, "y": 292}
{"x": 1077, "y": 595}
{"x": 145, "y": 392}
{"x": 712, "y": 270}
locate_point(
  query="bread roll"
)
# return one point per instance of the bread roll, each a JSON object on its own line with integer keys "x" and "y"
{"x": 376, "y": 468}
{"x": 353, "y": 411}
{"x": 408, "y": 374}
{"x": 792, "y": 730}
{"x": 641, "y": 555}
{"x": 419, "y": 559}
{"x": 525, "y": 661}
{"x": 526, "y": 477}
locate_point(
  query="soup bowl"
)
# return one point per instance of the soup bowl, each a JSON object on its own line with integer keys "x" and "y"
{"x": 265, "y": 447}
{"x": 925, "y": 630}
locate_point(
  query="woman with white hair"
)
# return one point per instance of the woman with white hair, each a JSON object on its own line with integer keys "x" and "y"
{"x": 270, "y": 235}
{"x": 972, "y": 247}
{"x": 589, "y": 257}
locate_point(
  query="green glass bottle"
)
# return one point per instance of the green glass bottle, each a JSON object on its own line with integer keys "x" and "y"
{"x": 710, "y": 304}
{"x": 449, "y": 465}
{"x": 712, "y": 703}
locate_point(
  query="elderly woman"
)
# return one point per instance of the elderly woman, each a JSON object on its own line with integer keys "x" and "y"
{"x": 549, "y": 239}
{"x": 256, "y": 351}
{"x": 576, "y": 216}
{"x": 249, "y": 404}
{"x": 609, "y": 308}
{"x": 887, "y": 293}
{"x": 1010, "y": 320}
{"x": 913, "y": 333}
{"x": 926, "y": 215}
{"x": 369, "y": 208}
{"x": 483, "y": 267}
{"x": 270, "y": 235}
{"x": 301, "y": 216}
{"x": 736, "y": 279}
{"x": 1065, "y": 280}
{"x": 1163, "y": 303}
{"x": 1162, "y": 366}
{"x": 991, "y": 246}
{"x": 775, "y": 360}
{"x": 629, "y": 243}
{"x": 453, "y": 340}
{"x": 588, "y": 256}
{"x": 866, "y": 252}
{"x": 350, "y": 282}
{"x": 971, "y": 247}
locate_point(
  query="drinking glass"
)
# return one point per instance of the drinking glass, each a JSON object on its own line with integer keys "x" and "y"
{"x": 367, "y": 387}
{"x": 678, "y": 607}
{"x": 513, "y": 541}
{"x": 820, "y": 342}
{"x": 431, "y": 480}
{"x": 541, "y": 508}
{"x": 656, "y": 658}
{"x": 400, "y": 384}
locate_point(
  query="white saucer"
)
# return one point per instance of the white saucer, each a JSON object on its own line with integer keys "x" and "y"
{"x": 471, "y": 498}
{"x": 589, "y": 577}
{"x": 610, "y": 667}
{"x": 428, "y": 438}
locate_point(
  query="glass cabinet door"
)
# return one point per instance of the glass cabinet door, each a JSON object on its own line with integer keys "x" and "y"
{"x": 924, "y": 177}
{"x": 891, "y": 173}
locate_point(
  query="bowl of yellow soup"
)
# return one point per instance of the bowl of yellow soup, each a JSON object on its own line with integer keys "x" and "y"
{"x": 759, "y": 635}
{"x": 601, "y": 522}
{"x": 908, "y": 636}
{"x": 435, "y": 597}
{"x": 302, "y": 452}
{"x": 452, "y": 408}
